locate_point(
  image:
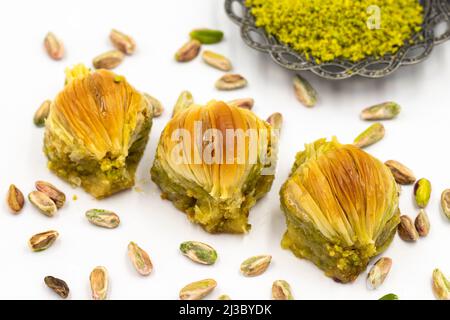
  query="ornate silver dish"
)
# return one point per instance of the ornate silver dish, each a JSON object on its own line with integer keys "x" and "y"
{"x": 437, "y": 15}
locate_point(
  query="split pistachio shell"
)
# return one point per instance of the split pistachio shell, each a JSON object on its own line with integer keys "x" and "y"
{"x": 256, "y": 265}
{"x": 140, "y": 259}
{"x": 406, "y": 229}
{"x": 43, "y": 202}
{"x": 422, "y": 223}
{"x": 231, "y": 82}
{"x": 402, "y": 174}
{"x": 305, "y": 92}
{"x": 42, "y": 241}
{"x": 217, "y": 61}
{"x": 108, "y": 60}
{"x": 103, "y": 218}
{"x": 122, "y": 42}
{"x": 281, "y": 290}
{"x": 185, "y": 100}
{"x": 379, "y": 272}
{"x": 383, "y": 111}
{"x": 197, "y": 290}
{"x": 445, "y": 202}
{"x": 246, "y": 103}
{"x": 15, "y": 199}
{"x": 42, "y": 113}
{"x": 422, "y": 192}
{"x": 58, "y": 197}
{"x": 370, "y": 136}
{"x": 54, "y": 46}
{"x": 99, "y": 283}
{"x": 188, "y": 51}
{"x": 207, "y": 36}
{"x": 199, "y": 252}
{"x": 441, "y": 286}
{"x": 59, "y": 286}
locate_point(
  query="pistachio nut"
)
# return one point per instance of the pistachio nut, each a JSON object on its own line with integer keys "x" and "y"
{"x": 256, "y": 265}
{"x": 441, "y": 286}
{"x": 402, "y": 174}
{"x": 43, "y": 202}
{"x": 422, "y": 192}
{"x": 103, "y": 218}
{"x": 197, "y": 290}
{"x": 108, "y": 60}
{"x": 382, "y": 111}
{"x": 58, "y": 197}
{"x": 281, "y": 290}
{"x": 199, "y": 252}
{"x": 389, "y": 296}
{"x": 305, "y": 92}
{"x": 422, "y": 223}
{"x": 41, "y": 114}
{"x": 99, "y": 283}
{"x": 15, "y": 199}
{"x": 140, "y": 259}
{"x": 231, "y": 82}
{"x": 122, "y": 42}
{"x": 370, "y": 136}
{"x": 445, "y": 202}
{"x": 276, "y": 120}
{"x": 59, "y": 286}
{"x": 42, "y": 241}
{"x": 54, "y": 46}
{"x": 189, "y": 51}
{"x": 185, "y": 100}
{"x": 155, "y": 104}
{"x": 207, "y": 36}
{"x": 217, "y": 61}
{"x": 246, "y": 103}
{"x": 406, "y": 229}
{"x": 224, "y": 297}
{"x": 379, "y": 272}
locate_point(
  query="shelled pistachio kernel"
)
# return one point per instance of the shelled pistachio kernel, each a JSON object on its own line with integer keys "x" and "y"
{"x": 58, "y": 197}
{"x": 41, "y": 113}
{"x": 254, "y": 266}
{"x": 188, "y": 51}
{"x": 422, "y": 192}
{"x": 185, "y": 100}
{"x": 406, "y": 229}
{"x": 402, "y": 174}
{"x": 422, "y": 223}
{"x": 389, "y": 296}
{"x": 231, "y": 82}
{"x": 379, "y": 272}
{"x": 59, "y": 286}
{"x": 246, "y": 103}
{"x": 43, "y": 241}
{"x": 281, "y": 290}
{"x": 108, "y": 60}
{"x": 156, "y": 105}
{"x": 217, "y": 61}
{"x": 43, "y": 202}
{"x": 207, "y": 36}
{"x": 441, "y": 286}
{"x": 103, "y": 218}
{"x": 445, "y": 202}
{"x": 122, "y": 42}
{"x": 198, "y": 290}
{"x": 15, "y": 199}
{"x": 276, "y": 120}
{"x": 383, "y": 111}
{"x": 370, "y": 136}
{"x": 224, "y": 297}
{"x": 305, "y": 92}
{"x": 99, "y": 283}
{"x": 53, "y": 46}
{"x": 199, "y": 252}
{"x": 140, "y": 259}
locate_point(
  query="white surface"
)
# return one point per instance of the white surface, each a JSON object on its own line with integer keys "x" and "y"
{"x": 419, "y": 138}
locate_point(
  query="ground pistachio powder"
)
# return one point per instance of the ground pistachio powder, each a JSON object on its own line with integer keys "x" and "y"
{"x": 338, "y": 29}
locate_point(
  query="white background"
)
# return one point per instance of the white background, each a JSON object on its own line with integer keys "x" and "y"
{"x": 419, "y": 138}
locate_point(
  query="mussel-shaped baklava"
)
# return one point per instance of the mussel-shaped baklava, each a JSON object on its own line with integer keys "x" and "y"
{"x": 214, "y": 162}
{"x": 96, "y": 131}
{"x": 341, "y": 208}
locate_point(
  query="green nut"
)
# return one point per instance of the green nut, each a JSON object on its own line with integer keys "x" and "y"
{"x": 199, "y": 252}
{"x": 370, "y": 136}
{"x": 389, "y": 296}
{"x": 207, "y": 36}
{"x": 422, "y": 192}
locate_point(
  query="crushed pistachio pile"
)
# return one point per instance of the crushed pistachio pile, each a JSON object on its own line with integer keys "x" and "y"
{"x": 325, "y": 30}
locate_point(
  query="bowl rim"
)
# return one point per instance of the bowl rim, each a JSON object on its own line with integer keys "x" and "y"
{"x": 435, "y": 13}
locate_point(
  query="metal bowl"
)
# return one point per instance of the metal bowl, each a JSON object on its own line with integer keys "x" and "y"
{"x": 436, "y": 12}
